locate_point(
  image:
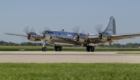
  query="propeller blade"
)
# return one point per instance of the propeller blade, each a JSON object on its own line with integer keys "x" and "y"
{"x": 75, "y": 29}
{"x": 33, "y": 30}
{"x": 98, "y": 28}
{"x": 46, "y": 28}
{"x": 84, "y": 31}
{"x": 39, "y": 31}
{"x": 25, "y": 29}
{"x": 23, "y": 40}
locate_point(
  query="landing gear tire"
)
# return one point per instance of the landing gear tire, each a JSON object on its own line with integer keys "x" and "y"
{"x": 55, "y": 48}
{"x": 90, "y": 48}
{"x": 58, "y": 48}
{"x": 44, "y": 49}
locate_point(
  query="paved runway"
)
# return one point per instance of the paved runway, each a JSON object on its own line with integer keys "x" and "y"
{"x": 68, "y": 57}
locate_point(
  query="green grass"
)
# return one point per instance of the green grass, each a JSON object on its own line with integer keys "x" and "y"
{"x": 71, "y": 71}
{"x": 38, "y": 48}
{"x": 130, "y": 53}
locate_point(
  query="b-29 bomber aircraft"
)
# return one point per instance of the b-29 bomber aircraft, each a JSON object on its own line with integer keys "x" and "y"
{"x": 59, "y": 38}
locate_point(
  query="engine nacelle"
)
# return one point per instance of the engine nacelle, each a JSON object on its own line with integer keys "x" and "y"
{"x": 104, "y": 36}
{"x": 77, "y": 37}
{"x": 33, "y": 37}
{"x": 100, "y": 36}
{"x": 43, "y": 36}
{"x": 46, "y": 36}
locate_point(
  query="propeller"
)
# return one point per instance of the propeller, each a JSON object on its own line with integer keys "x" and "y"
{"x": 47, "y": 28}
{"x": 25, "y": 30}
{"x": 98, "y": 28}
{"x": 76, "y": 29}
{"x": 39, "y": 31}
{"x": 83, "y": 31}
{"x": 33, "y": 30}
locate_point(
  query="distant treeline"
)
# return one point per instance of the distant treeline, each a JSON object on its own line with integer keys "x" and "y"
{"x": 115, "y": 45}
{"x": 3, "y": 43}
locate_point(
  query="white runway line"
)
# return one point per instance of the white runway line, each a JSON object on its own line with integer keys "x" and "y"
{"x": 68, "y": 57}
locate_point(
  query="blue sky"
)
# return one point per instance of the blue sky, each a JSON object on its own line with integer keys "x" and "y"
{"x": 63, "y": 14}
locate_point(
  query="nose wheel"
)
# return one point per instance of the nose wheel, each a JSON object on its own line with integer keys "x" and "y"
{"x": 90, "y": 48}
{"x": 58, "y": 48}
{"x": 44, "y": 48}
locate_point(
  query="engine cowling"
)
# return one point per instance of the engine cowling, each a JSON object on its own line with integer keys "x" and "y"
{"x": 77, "y": 37}
{"x": 100, "y": 35}
{"x": 33, "y": 37}
{"x": 42, "y": 36}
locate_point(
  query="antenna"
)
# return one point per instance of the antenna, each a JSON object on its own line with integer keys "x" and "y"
{"x": 63, "y": 30}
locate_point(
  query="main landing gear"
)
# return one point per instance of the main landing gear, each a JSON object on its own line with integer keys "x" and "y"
{"x": 58, "y": 48}
{"x": 90, "y": 48}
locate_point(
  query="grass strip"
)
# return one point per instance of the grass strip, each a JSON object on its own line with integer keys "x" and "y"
{"x": 39, "y": 48}
{"x": 69, "y": 71}
{"x": 130, "y": 53}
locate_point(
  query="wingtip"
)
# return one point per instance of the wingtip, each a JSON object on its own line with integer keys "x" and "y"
{"x": 5, "y": 33}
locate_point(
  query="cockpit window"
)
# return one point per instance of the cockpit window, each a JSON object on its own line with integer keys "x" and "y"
{"x": 48, "y": 32}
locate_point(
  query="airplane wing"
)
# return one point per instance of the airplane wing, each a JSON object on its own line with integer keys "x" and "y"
{"x": 115, "y": 38}
{"x": 124, "y": 36}
{"x": 23, "y": 35}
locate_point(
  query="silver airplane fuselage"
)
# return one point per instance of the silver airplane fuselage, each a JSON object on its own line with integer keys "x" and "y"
{"x": 64, "y": 38}
{"x": 70, "y": 38}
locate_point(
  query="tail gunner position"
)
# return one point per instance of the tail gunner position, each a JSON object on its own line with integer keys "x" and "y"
{"x": 59, "y": 38}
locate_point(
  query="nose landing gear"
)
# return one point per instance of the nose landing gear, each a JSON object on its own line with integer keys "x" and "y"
{"x": 44, "y": 48}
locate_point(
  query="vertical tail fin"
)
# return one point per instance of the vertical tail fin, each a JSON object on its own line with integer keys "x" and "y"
{"x": 111, "y": 28}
